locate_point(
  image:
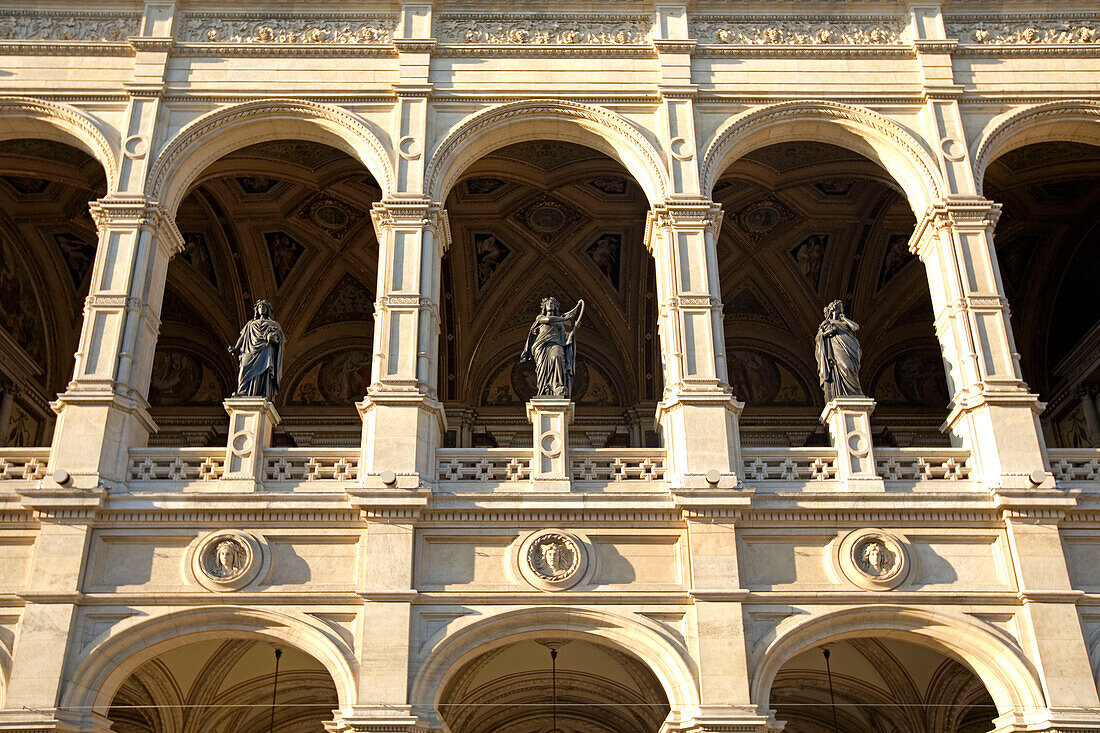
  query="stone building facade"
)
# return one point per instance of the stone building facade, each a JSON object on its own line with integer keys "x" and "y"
{"x": 404, "y": 182}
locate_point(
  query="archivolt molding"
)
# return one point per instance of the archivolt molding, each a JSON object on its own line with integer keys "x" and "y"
{"x": 92, "y": 685}
{"x": 224, "y": 130}
{"x": 907, "y": 161}
{"x": 1008, "y": 676}
{"x": 493, "y": 128}
{"x": 1072, "y": 119}
{"x": 669, "y": 661}
{"x": 71, "y": 126}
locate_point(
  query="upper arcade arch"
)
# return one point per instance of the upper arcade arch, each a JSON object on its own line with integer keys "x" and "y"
{"x": 856, "y": 128}
{"x": 545, "y": 119}
{"x": 227, "y": 129}
{"x": 1007, "y": 675}
{"x": 667, "y": 659}
{"x": 23, "y": 117}
{"x": 1063, "y": 121}
{"x": 92, "y": 686}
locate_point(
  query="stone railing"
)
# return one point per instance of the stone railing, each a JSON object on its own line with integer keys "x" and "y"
{"x": 282, "y": 467}
{"x": 1074, "y": 464}
{"x": 789, "y": 464}
{"x": 617, "y": 465}
{"x": 457, "y": 466}
{"x": 311, "y": 464}
{"x": 923, "y": 464}
{"x": 176, "y": 464}
{"x": 23, "y": 464}
{"x": 893, "y": 465}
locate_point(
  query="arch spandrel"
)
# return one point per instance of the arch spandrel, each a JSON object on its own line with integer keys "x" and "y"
{"x": 542, "y": 119}
{"x": 24, "y": 117}
{"x": 669, "y": 661}
{"x": 222, "y": 131}
{"x": 1063, "y": 121}
{"x": 857, "y": 128}
{"x": 1007, "y": 674}
{"x": 92, "y": 685}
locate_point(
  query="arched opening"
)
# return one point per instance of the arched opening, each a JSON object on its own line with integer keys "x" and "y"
{"x": 543, "y": 218}
{"x": 807, "y": 223}
{"x": 879, "y": 684}
{"x": 1046, "y": 242}
{"x": 287, "y": 221}
{"x": 47, "y": 250}
{"x": 513, "y": 688}
{"x": 225, "y": 685}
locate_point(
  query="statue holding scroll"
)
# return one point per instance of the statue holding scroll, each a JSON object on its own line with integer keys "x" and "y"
{"x": 838, "y": 354}
{"x": 550, "y": 344}
{"x": 260, "y": 350}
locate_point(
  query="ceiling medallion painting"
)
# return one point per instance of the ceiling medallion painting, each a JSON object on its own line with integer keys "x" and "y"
{"x": 335, "y": 217}
{"x": 547, "y": 218}
{"x": 897, "y": 257}
{"x": 483, "y": 186}
{"x": 835, "y": 187}
{"x": 762, "y": 216}
{"x": 196, "y": 253}
{"x": 348, "y": 301}
{"x": 606, "y": 253}
{"x": 256, "y": 185}
{"x": 285, "y": 252}
{"x": 611, "y": 185}
{"x": 26, "y": 185}
{"x": 78, "y": 251}
{"x": 809, "y": 255}
{"x": 489, "y": 254}
{"x": 19, "y": 312}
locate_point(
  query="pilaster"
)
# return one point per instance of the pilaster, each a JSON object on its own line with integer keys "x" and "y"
{"x": 550, "y": 418}
{"x": 403, "y": 420}
{"x": 698, "y": 414}
{"x": 849, "y": 422}
{"x": 104, "y": 411}
{"x": 992, "y": 413}
{"x": 251, "y": 421}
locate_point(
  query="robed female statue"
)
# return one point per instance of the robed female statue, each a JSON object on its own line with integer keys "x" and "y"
{"x": 260, "y": 349}
{"x": 550, "y": 344}
{"x": 838, "y": 354}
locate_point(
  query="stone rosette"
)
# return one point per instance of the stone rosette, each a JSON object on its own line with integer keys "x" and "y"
{"x": 552, "y": 559}
{"x": 873, "y": 559}
{"x": 226, "y": 560}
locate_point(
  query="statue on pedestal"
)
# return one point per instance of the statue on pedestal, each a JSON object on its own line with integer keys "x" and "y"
{"x": 260, "y": 349}
{"x": 550, "y": 344}
{"x": 838, "y": 354}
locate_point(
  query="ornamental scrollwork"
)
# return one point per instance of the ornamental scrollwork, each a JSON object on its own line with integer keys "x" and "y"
{"x": 1024, "y": 31}
{"x": 224, "y": 28}
{"x": 545, "y": 30}
{"x": 43, "y": 26}
{"x": 797, "y": 31}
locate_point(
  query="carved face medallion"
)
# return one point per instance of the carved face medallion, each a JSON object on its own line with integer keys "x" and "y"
{"x": 553, "y": 557}
{"x": 227, "y": 560}
{"x": 873, "y": 559}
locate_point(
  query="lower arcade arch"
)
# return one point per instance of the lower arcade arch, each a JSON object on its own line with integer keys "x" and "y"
{"x": 212, "y": 669}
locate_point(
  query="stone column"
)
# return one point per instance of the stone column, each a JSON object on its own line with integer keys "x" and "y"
{"x": 849, "y": 421}
{"x": 550, "y": 418}
{"x": 992, "y": 413}
{"x": 698, "y": 415}
{"x": 251, "y": 420}
{"x": 403, "y": 419}
{"x": 104, "y": 412}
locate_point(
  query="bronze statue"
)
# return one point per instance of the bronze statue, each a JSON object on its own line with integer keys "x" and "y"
{"x": 550, "y": 344}
{"x": 838, "y": 354}
{"x": 260, "y": 349}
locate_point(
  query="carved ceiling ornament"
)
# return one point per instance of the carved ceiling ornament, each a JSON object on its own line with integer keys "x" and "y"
{"x": 545, "y": 29}
{"x": 39, "y": 25}
{"x": 226, "y": 560}
{"x": 289, "y": 28}
{"x": 873, "y": 559}
{"x": 797, "y": 31}
{"x": 552, "y": 559}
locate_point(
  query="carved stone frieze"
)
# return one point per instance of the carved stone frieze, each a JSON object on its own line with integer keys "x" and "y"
{"x": 545, "y": 29}
{"x": 1023, "y": 31}
{"x": 291, "y": 28}
{"x": 27, "y": 25}
{"x": 794, "y": 31}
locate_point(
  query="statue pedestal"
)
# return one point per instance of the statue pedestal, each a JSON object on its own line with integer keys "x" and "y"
{"x": 849, "y": 421}
{"x": 251, "y": 420}
{"x": 550, "y": 418}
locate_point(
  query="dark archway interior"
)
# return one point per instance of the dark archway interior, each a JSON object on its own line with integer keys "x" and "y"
{"x": 225, "y": 686}
{"x": 806, "y": 223}
{"x": 880, "y": 686}
{"x": 47, "y": 250}
{"x": 510, "y": 690}
{"x": 538, "y": 219}
{"x": 1046, "y": 242}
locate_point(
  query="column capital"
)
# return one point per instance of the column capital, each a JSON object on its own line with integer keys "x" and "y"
{"x": 133, "y": 212}
{"x": 973, "y": 213}
{"x": 419, "y": 212}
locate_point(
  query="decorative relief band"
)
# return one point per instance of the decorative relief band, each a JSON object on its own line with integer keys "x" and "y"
{"x": 545, "y": 30}
{"x": 1023, "y": 31}
{"x": 287, "y": 28}
{"x": 792, "y": 31}
{"x": 19, "y": 25}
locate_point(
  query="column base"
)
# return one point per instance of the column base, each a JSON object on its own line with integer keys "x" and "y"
{"x": 700, "y": 433}
{"x": 550, "y": 419}
{"x": 251, "y": 421}
{"x": 849, "y": 421}
{"x": 386, "y": 719}
{"x": 401, "y": 431}
{"x": 721, "y": 719}
{"x": 1001, "y": 429}
{"x": 95, "y": 430}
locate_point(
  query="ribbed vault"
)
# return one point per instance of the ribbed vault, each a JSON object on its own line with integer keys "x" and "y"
{"x": 510, "y": 690}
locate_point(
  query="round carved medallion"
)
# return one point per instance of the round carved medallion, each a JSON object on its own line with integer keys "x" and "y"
{"x": 873, "y": 559}
{"x": 552, "y": 560}
{"x": 226, "y": 560}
